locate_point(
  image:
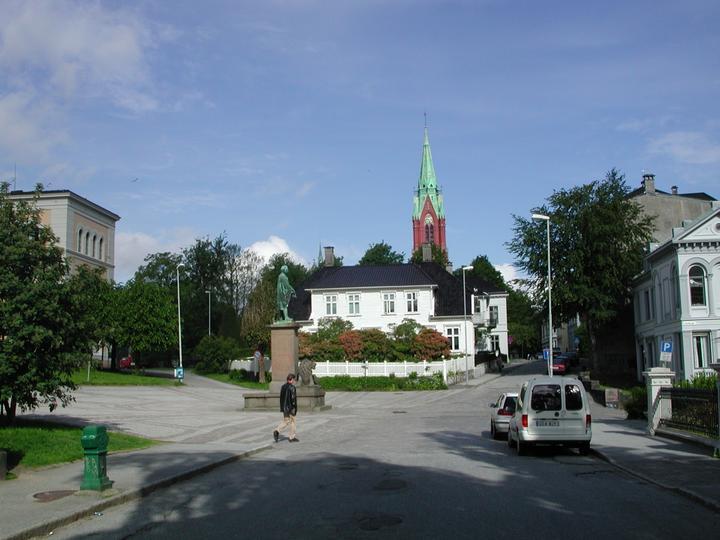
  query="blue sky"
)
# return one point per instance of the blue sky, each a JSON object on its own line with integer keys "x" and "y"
{"x": 289, "y": 124}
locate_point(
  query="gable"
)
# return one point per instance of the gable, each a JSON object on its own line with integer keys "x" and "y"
{"x": 704, "y": 232}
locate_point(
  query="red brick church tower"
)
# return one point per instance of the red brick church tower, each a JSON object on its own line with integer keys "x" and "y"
{"x": 428, "y": 217}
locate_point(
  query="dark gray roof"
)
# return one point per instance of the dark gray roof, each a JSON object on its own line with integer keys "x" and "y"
{"x": 699, "y": 195}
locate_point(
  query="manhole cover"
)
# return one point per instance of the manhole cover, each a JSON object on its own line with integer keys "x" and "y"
{"x": 399, "y": 412}
{"x": 390, "y": 484}
{"x": 372, "y": 521}
{"x": 47, "y": 496}
{"x": 348, "y": 466}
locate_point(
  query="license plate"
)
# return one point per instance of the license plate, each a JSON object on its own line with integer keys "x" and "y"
{"x": 547, "y": 423}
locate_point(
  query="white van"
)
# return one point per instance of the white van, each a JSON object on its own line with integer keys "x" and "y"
{"x": 551, "y": 410}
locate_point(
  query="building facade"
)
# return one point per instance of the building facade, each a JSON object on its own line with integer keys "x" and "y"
{"x": 85, "y": 230}
{"x": 677, "y": 299}
{"x": 381, "y": 297}
{"x": 428, "y": 218}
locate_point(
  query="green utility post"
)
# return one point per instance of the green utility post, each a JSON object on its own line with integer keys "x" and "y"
{"x": 95, "y": 442}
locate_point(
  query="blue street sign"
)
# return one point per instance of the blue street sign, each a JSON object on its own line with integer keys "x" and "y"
{"x": 666, "y": 347}
{"x": 546, "y": 354}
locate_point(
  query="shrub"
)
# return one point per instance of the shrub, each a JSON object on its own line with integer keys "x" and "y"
{"x": 403, "y": 339}
{"x": 366, "y": 384}
{"x": 636, "y": 405}
{"x": 305, "y": 345}
{"x": 700, "y": 380}
{"x": 351, "y": 341}
{"x": 214, "y": 354}
{"x": 375, "y": 345}
{"x": 430, "y": 345}
{"x": 329, "y": 329}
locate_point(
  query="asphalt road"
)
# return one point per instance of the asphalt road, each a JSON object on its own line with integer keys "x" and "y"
{"x": 414, "y": 465}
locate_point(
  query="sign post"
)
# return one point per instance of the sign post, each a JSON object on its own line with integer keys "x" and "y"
{"x": 666, "y": 353}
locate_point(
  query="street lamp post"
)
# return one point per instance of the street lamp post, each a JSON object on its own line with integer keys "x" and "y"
{"x": 465, "y": 330}
{"x": 177, "y": 274}
{"x": 546, "y": 219}
{"x": 209, "y": 293}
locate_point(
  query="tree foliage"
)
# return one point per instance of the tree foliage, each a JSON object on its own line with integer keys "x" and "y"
{"x": 381, "y": 253}
{"x": 47, "y": 317}
{"x": 438, "y": 255}
{"x": 215, "y": 353}
{"x": 597, "y": 242}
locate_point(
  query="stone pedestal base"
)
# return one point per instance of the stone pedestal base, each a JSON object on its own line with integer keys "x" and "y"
{"x": 309, "y": 398}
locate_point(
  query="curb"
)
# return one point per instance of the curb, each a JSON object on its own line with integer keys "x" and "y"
{"x": 132, "y": 494}
{"x": 688, "y": 494}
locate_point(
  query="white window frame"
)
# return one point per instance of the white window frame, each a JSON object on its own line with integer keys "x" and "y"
{"x": 452, "y": 333}
{"x": 494, "y": 310}
{"x": 494, "y": 342}
{"x": 388, "y": 303}
{"x": 353, "y": 300}
{"x": 411, "y": 300}
{"x": 331, "y": 304}
{"x": 702, "y": 284}
{"x": 701, "y": 350}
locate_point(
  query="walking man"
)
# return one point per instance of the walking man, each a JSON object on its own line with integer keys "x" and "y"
{"x": 288, "y": 406}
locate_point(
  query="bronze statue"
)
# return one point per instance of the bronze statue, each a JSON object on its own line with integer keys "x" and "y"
{"x": 284, "y": 293}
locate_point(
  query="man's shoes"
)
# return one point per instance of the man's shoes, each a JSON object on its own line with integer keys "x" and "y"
{"x": 276, "y": 435}
{"x": 294, "y": 439}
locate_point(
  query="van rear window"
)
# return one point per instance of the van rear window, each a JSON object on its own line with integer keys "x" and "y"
{"x": 546, "y": 397}
{"x": 573, "y": 397}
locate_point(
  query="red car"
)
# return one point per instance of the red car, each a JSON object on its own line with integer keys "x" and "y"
{"x": 126, "y": 362}
{"x": 560, "y": 365}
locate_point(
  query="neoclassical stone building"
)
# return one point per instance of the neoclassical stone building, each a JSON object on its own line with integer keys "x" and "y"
{"x": 677, "y": 298}
{"x": 85, "y": 230}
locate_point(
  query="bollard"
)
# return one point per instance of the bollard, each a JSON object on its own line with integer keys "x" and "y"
{"x": 94, "y": 442}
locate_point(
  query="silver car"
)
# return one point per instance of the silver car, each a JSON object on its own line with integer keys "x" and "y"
{"x": 502, "y": 411}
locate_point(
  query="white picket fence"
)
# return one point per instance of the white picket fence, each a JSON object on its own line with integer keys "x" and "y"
{"x": 362, "y": 369}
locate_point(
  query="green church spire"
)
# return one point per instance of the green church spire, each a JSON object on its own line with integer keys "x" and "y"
{"x": 427, "y": 184}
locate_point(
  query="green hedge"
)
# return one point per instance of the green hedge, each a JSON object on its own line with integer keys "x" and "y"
{"x": 391, "y": 383}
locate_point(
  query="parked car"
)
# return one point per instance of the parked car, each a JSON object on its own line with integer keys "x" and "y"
{"x": 502, "y": 411}
{"x": 551, "y": 410}
{"x": 126, "y": 362}
{"x": 560, "y": 365}
{"x": 573, "y": 358}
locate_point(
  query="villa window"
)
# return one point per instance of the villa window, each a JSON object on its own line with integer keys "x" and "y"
{"x": 389, "y": 303}
{"x": 331, "y": 304}
{"x": 697, "y": 286}
{"x": 494, "y": 315}
{"x": 494, "y": 343}
{"x": 412, "y": 302}
{"x": 701, "y": 350}
{"x": 87, "y": 242}
{"x": 94, "y": 245}
{"x": 453, "y": 335}
{"x": 79, "y": 243}
{"x": 354, "y": 304}
{"x": 100, "y": 249}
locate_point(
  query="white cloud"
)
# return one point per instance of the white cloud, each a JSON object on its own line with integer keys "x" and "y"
{"x": 508, "y": 271}
{"x": 132, "y": 248}
{"x": 688, "y": 147}
{"x": 273, "y": 245}
{"x": 28, "y": 126}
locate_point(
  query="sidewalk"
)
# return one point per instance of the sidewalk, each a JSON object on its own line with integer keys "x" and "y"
{"x": 135, "y": 475}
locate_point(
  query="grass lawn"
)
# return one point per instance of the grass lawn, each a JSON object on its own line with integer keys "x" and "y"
{"x": 116, "y": 378}
{"x": 224, "y": 377}
{"x": 36, "y": 444}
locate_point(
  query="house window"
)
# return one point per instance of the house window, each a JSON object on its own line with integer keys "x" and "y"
{"x": 494, "y": 343}
{"x": 648, "y": 307}
{"x": 494, "y": 315}
{"x": 389, "y": 303}
{"x": 100, "y": 250}
{"x": 79, "y": 244}
{"x": 331, "y": 304}
{"x": 453, "y": 335}
{"x": 477, "y": 304}
{"x": 87, "y": 242}
{"x": 412, "y": 302}
{"x": 701, "y": 350}
{"x": 697, "y": 286}
{"x": 354, "y": 304}
{"x": 94, "y": 245}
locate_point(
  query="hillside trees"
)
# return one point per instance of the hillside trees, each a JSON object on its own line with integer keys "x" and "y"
{"x": 597, "y": 242}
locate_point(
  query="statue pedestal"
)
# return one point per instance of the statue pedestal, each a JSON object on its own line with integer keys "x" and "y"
{"x": 284, "y": 354}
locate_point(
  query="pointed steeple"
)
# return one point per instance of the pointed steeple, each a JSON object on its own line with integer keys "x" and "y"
{"x": 427, "y": 183}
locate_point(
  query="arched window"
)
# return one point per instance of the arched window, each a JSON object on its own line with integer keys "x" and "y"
{"x": 87, "y": 242}
{"x": 79, "y": 244}
{"x": 100, "y": 250}
{"x": 94, "y": 245}
{"x": 697, "y": 286}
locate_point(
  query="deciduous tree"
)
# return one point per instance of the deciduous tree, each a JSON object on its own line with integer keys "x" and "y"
{"x": 381, "y": 254}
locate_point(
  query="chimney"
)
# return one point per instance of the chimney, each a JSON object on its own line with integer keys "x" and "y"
{"x": 426, "y": 253}
{"x": 674, "y": 190}
{"x": 329, "y": 255}
{"x": 648, "y": 183}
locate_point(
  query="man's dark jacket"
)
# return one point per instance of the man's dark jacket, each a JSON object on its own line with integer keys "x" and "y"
{"x": 288, "y": 399}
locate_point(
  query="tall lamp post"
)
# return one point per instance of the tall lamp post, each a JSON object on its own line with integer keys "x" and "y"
{"x": 209, "y": 293}
{"x": 465, "y": 332}
{"x": 177, "y": 275}
{"x": 546, "y": 219}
